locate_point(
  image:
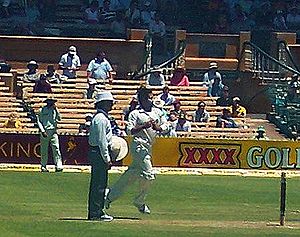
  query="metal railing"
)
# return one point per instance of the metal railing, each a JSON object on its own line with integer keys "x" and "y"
{"x": 265, "y": 67}
{"x": 276, "y": 74}
{"x": 285, "y": 56}
{"x": 167, "y": 67}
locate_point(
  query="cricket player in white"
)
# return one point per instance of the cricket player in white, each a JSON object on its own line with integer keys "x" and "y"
{"x": 144, "y": 124}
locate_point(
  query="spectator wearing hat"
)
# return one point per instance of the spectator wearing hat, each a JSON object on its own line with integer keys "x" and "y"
{"x": 84, "y": 129}
{"x": 100, "y": 141}
{"x": 70, "y": 63}
{"x": 179, "y": 77}
{"x": 32, "y": 75}
{"x": 261, "y": 134}
{"x": 156, "y": 79}
{"x": 212, "y": 77}
{"x": 224, "y": 99}
{"x": 183, "y": 125}
{"x": 53, "y": 76}
{"x": 42, "y": 85}
{"x": 225, "y": 120}
{"x": 236, "y": 109}
{"x": 201, "y": 115}
{"x": 166, "y": 96}
{"x": 47, "y": 120}
{"x": 100, "y": 69}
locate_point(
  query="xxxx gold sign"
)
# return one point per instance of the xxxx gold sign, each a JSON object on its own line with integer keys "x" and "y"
{"x": 209, "y": 155}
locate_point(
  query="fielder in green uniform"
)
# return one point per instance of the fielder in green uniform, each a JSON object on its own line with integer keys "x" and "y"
{"x": 47, "y": 122}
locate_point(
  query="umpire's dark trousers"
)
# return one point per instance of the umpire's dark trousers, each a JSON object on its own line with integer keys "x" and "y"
{"x": 98, "y": 184}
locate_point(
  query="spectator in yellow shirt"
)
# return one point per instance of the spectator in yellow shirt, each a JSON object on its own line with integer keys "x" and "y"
{"x": 236, "y": 110}
{"x": 13, "y": 121}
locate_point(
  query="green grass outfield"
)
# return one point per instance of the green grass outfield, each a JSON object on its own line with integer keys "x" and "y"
{"x": 54, "y": 204}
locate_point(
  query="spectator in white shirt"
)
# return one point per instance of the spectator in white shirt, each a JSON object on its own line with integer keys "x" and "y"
{"x": 166, "y": 96}
{"x": 92, "y": 13}
{"x": 70, "y": 63}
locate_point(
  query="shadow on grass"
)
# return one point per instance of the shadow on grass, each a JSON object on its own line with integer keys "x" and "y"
{"x": 85, "y": 219}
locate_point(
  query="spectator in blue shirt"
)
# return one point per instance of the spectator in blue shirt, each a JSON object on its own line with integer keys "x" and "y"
{"x": 100, "y": 68}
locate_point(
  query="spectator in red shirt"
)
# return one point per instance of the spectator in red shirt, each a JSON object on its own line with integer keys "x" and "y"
{"x": 42, "y": 85}
{"x": 179, "y": 78}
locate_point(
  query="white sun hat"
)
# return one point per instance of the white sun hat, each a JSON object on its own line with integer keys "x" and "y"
{"x": 104, "y": 95}
{"x": 119, "y": 148}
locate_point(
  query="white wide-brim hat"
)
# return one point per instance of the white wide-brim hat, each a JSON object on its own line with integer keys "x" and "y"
{"x": 213, "y": 65}
{"x": 119, "y": 148}
{"x": 104, "y": 95}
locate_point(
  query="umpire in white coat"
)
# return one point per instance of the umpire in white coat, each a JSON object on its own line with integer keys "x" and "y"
{"x": 100, "y": 141}
{"x": 144, "y": 124}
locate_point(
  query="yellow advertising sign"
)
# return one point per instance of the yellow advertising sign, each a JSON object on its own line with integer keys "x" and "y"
{"x": 206, "y": 153}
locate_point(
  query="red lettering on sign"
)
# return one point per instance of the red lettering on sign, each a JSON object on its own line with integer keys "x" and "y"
{"x": 190, "y": 155}
{"x": 229, "y": 156}
{"x": 203, "y": 156}
{"x": 216, "y": 156}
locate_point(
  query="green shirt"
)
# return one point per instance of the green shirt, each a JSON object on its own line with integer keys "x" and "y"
{"x": 47, "y": 119}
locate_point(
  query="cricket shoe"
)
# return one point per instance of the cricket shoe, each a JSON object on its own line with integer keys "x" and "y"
{"x": 144, "y": 209}
{"x": 105, "y": 217}
{"x": 44, "y": 169}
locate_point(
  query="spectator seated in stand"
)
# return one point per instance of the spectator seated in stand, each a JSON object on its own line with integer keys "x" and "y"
{"x": 213, "y": 77}
{"x": 177, "y": 108}
{"x": 166, "y": 96}
{"x": 70, "y": 63}
{"x": 32, "y": 75}
{"x": 261, "y": 134}
{"x": 147, "y": 14}
{"x": 201, "y": 115}
{"x": 13, "y": 121}
{"x": 157, "y": 29}
{"x": 84, "y": 129}
{"x": 133, "y": 104}
{"x": 118, "y": 26}
{"x": 236, "y": 110}
{"x": 183, "y": 125}
{"x": 155, "y": 79}
{"x": 293, "y": 18}
{"x": 107, "y": 12}
{"x": 133, "y": 15}
{"x": 53, "y": 76}
{"x": 172, "y": 122}
{"x": 42, "y": 85}
{"x": 179, "y": 77}
{"x": 224, "y": 99}
{"x": 225, "y": 120}
{"x": 91, "y": 91}
{"x": 100, "y": 69}
{"x": 4, "y": 67}
{"x": 91, "y": 14}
